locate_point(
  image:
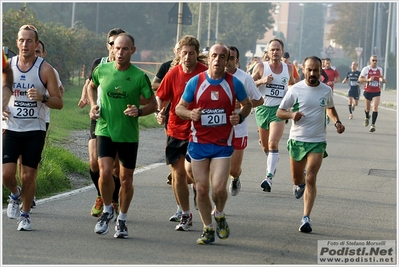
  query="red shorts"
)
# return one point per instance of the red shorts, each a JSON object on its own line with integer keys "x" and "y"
{"x": 240, "y": 143}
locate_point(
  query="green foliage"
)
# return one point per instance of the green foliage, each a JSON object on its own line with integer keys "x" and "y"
{"x": 147, "y": 22}
{"x": 354, "y": 28}
{"x": 67, "y": 48}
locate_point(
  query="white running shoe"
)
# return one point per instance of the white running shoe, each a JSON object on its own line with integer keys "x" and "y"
{"x": 101, "y": 227}
{"x": 121, "y": 229}
{"x": 235, "y": 186}
{"x": 24, "y": 223}
{"x": 176, "y": 217}
{"x": 13, "y": 208}
{"x": 185, "y": 222}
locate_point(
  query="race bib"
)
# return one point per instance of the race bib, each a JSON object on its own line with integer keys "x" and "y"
{"x": 213, "y": 117}
{"x": 353, "y": 83}
{"x": 274, "y": 90}
{"x": 374, "y": 83}
{"x": 25, "y": 110}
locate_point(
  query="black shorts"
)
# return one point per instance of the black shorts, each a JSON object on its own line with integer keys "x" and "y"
{"x": 127, "y": 152}
{"x": 92, "y": 133}
{"x": 174, "y": 149}
{"x": 354, "y": 92}
{"x": 27, "y": 144}
{"x": 369, "y": 96}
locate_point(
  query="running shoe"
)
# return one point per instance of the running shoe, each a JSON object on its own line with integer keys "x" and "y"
{"x": 305, "y": 225}
{"x": 176, "y": 217}
{"x": 235, "y": 186}
{"x": 207, "y": 237}
{"x": 350, "y": 116}
{"x": 97, "y": 208}
{"x": 169, "y": 178}
{"x": 13, "y": 207}
{"x": 299, "y": 190}
{"x": 267, "y": 183}
{"x": 185, "y": 222}
{"x": 121, "y": 229}
{"x": 24, "y": 223}
{"x": 366, "y": 122}
{"x": 116, "y": 207}
{"x": 372, "y": 128}
{"x": 222, "y": 229}
{"x": 195, "y": 197}
{"x": 101, "y": 227}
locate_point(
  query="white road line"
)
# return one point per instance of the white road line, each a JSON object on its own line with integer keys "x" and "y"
{"x": 89, "y": 187}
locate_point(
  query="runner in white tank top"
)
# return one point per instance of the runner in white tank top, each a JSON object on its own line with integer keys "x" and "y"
{"x": 272, "y": 78}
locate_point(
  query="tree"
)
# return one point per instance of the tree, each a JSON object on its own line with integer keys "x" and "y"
{"x": 67, "y": 49}
{"x": 354, "y": 28}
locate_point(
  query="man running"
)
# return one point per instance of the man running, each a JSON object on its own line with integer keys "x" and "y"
{"x": 272, "y": 78}
{"x": 122, "y": 85}
{"x": 209, "y": 102}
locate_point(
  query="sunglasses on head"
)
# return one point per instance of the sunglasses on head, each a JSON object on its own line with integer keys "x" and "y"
{"x": 28, "y": 27}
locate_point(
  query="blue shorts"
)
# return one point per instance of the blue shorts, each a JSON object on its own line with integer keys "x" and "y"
{"x": 209, "y": 151}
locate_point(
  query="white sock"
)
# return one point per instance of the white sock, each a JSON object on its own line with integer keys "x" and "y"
{"x": 108, "y": 208}
{"x": 272, "y": 160}
{"x": 122, "y": 216}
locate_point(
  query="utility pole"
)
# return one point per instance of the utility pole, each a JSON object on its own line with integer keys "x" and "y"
{"x": 387, "y": 45}
{"x": 97, "y": 17}
{"x": 179, "y": 21}
{"x": 209, "y": 24}
{"x": 73, "y": 14}
{"x": 217, "y": 22}
{"x": 199, "y": 23}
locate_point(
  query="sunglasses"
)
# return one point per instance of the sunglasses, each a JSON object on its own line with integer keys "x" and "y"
{"x": 111, "y": 43}
{"x": 374, "y": 60}
{"x": 28, "y": 27}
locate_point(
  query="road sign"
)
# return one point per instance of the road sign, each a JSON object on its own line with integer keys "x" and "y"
{"x": 330, "y": 50}
{"x": 173, "y": 15}
{"x": 359, "y": 51}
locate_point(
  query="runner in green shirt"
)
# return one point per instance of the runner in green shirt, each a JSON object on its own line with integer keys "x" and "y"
{"x": 117, "y": 130}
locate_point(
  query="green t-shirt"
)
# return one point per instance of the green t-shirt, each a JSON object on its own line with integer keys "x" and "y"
{"x": 119, "y": 89}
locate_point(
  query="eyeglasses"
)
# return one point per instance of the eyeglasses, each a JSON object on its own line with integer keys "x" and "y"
{"x": 374, "y": 60}
{"x": 111, "y": 43}
{"x": 232, "y": 57}
{"x": 28, "y": 27}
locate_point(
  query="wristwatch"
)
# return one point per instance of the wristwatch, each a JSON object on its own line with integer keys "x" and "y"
{"x": 139, "y": 112}
{"x": 45, "y": 99}
{"x": 241, "y": 118}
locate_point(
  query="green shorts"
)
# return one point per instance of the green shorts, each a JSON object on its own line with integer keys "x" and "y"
{"x": 298, "y": 150}
{"x": 266, "y": 115}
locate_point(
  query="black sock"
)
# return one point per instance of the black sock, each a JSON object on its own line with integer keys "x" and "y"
{"x": 115, "y": 196}
{"x": 94, "y": 177}
{"x": 367, "y": 114}
{"x": 350, "y": 109}
{"x": 374, "y": 117}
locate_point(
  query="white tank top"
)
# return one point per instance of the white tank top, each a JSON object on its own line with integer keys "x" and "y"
{"x": 26, "y": 115}
{"x": 273, "y": 93}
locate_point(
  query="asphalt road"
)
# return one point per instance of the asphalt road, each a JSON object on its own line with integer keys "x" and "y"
{"x": 357, "y": 200}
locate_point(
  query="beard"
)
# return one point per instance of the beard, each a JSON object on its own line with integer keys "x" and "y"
{"x": 313, "y": 80}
